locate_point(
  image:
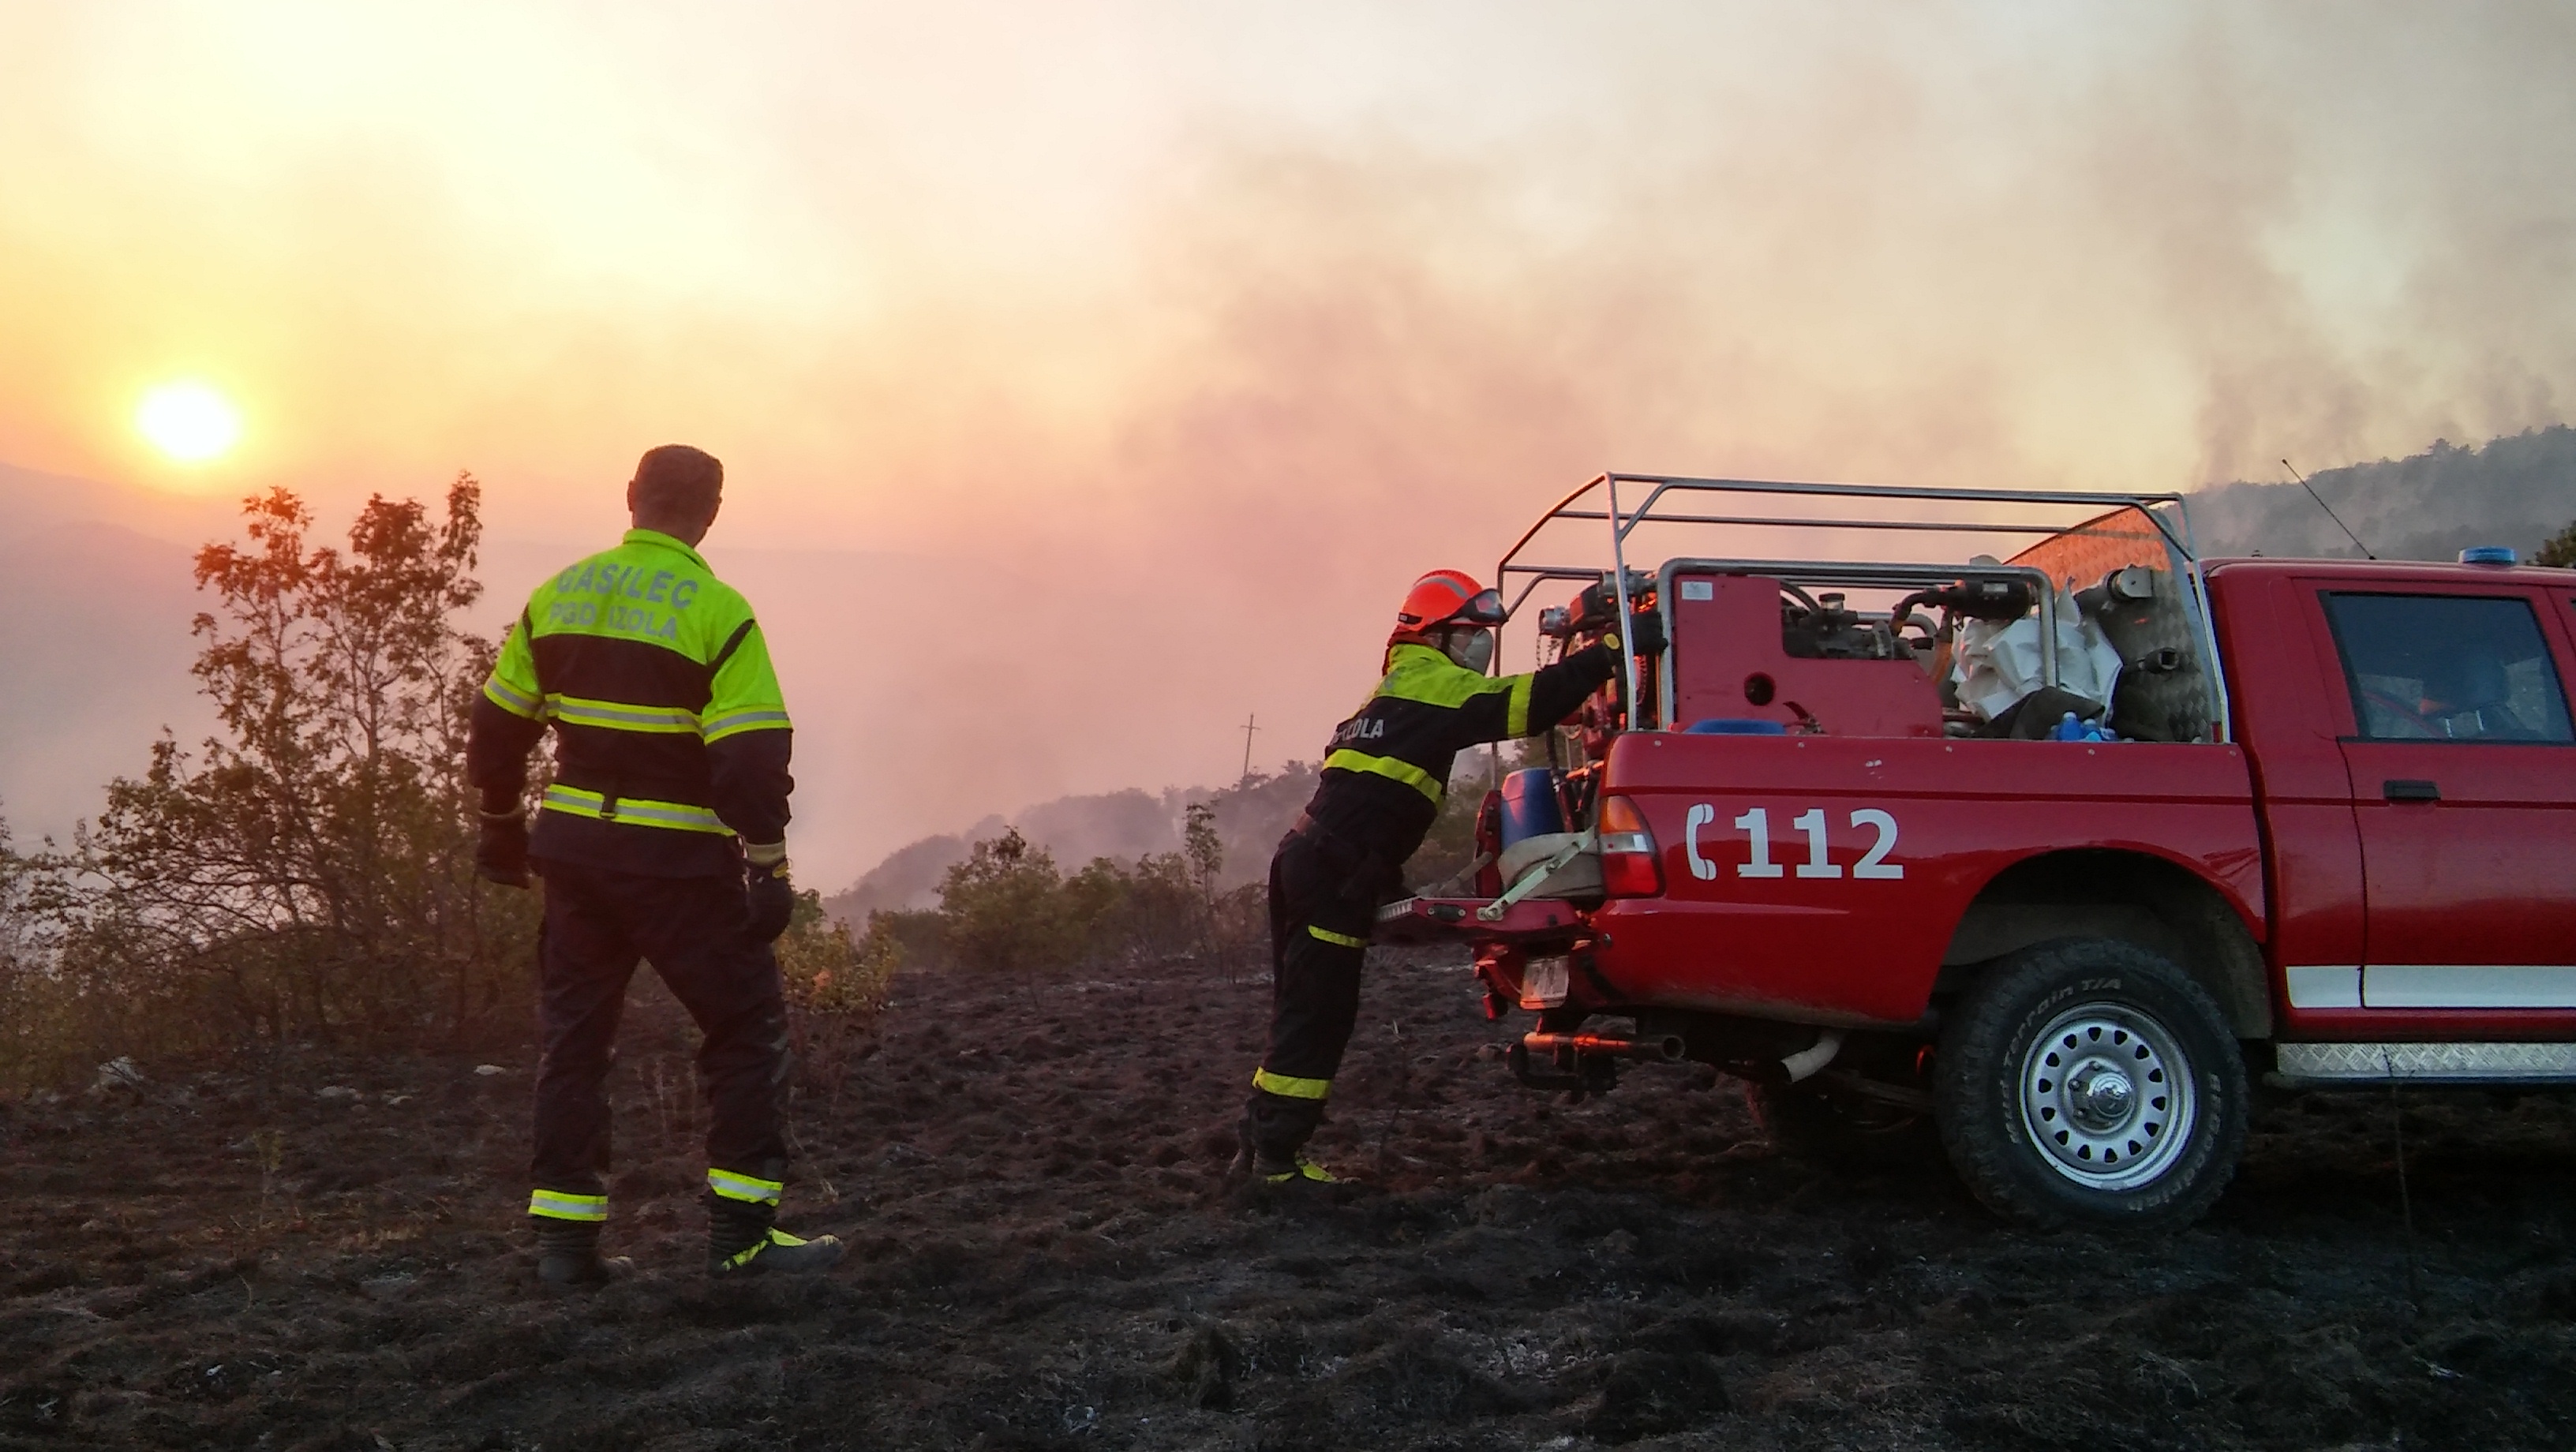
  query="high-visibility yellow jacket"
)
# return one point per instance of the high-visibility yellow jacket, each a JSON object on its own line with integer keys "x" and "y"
{"x": 1388, "y": 767}
{"x": 671, "y": 737}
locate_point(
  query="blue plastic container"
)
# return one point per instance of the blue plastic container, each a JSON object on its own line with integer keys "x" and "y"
{"x": 1530, "y": 805}
{"x": 1737, "y": 726}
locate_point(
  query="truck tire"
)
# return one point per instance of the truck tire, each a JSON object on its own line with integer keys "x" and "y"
{"x": 2089, "y": 1081}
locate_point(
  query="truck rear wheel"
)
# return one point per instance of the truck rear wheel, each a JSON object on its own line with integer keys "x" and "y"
{"x": 2090, "y": 1081}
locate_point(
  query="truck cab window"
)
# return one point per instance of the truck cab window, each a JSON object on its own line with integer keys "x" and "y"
{"x": 2448, "y": 668}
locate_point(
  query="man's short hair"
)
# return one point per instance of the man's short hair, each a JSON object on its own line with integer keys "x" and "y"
{"x": 676, "y": 480}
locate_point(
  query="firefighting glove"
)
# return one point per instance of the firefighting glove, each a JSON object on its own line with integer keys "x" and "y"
{"x": 501, "y": 851}
{"x": 1645, "y": 634}
{"x": 772, "y": 894}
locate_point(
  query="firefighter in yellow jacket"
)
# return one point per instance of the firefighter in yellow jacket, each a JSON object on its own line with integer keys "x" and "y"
{"x": 1383, "y": 781}
{"x": 663, "y": 837}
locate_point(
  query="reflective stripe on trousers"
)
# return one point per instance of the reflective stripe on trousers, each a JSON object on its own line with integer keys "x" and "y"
{"x": 556, "y": 1205}
{"x": 1288, "y": 1087}
{"x": 748, "y": 1188}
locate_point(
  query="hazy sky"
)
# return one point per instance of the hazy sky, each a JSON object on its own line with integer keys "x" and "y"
{"x": 1090, "y": 375}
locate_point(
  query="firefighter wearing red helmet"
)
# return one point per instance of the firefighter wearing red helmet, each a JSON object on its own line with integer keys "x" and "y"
{"x": 1383, "y": 779}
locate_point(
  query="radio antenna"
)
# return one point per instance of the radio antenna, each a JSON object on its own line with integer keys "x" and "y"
{"x": 2329, "y": 509}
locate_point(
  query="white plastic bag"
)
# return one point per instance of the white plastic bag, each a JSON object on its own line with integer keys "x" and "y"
{"x": 1998, "y": 664}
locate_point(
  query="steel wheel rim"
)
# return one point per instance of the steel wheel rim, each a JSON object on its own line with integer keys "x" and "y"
{"x": 2107, "y": 1095}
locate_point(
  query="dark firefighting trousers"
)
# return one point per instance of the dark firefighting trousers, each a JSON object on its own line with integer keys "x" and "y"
{"x": 1323, "y": 901}
{"x": 696, "y": 932}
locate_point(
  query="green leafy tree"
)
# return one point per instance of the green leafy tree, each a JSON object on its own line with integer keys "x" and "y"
{"x": 308, "y": 871}
{"x": 1005, "y": 908}
{"x": 1201, "y": 844}
{"x": 1151, "y": 910}
{"x": 2559, "y": 550}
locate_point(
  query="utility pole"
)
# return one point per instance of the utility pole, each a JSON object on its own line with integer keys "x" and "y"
{"x": 1248, "y": 729}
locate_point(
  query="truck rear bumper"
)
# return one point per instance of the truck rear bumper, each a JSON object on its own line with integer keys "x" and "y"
{"x": 1551, "y": 934}
{"x": 1462, "y": 920}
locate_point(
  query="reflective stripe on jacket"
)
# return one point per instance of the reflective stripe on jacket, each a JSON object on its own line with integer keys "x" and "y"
{"x": 1387, "y": 769}
{"x": 671, "y": 733}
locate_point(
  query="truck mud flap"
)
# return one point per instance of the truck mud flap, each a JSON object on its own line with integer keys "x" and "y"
{"x": 1581, "y": 1075}
{"x": 1460, "y": 920}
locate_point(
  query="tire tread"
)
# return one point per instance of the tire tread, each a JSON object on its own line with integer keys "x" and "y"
{"x": 1976, "y": 1091}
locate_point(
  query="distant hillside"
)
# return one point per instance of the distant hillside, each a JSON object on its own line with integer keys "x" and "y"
{"x": 34, "y": 500}
{"x": 2514, "y": 491}
{"x": 1251, "y": 816}
{"x": 97, "y": 651}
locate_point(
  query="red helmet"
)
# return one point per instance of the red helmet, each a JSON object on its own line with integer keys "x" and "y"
{"x": 1446, "y": 597}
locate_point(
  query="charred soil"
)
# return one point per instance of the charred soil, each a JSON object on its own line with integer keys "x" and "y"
{"x": 325, "y": 1252}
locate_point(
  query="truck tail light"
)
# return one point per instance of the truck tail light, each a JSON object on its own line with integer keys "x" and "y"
{"x": 1631, "y": 865}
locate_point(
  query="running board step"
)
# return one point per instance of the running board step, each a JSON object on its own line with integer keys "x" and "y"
{"x": 2296, "y": 1064}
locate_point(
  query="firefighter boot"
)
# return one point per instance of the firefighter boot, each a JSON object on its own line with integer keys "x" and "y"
{"x": 568, "y": 1254}
{"x": 1267, "y": 1140}
{"x": 744, "y": 1240}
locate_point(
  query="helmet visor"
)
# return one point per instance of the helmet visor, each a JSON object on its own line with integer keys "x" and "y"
{"x": 1485, "y": 607}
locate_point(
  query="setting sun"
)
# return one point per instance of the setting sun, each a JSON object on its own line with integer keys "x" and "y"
{"x": 190, "y": 422}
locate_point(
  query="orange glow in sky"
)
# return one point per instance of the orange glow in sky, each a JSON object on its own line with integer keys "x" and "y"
{"x": 188, "y": 421}
{"x": 1027, "y": 330}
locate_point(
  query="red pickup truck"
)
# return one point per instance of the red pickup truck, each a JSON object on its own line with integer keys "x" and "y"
{"x": 2063, "y": 849}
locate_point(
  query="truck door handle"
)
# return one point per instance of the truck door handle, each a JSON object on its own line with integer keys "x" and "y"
{"x": 2403, "y": 790}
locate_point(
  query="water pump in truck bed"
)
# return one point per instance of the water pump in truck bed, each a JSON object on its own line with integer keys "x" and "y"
{"x": 1593, "y": 608}
{"x": 1822, "y": 627}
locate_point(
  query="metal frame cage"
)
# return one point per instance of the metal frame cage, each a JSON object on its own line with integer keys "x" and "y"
{"x": 1579, "y": 506}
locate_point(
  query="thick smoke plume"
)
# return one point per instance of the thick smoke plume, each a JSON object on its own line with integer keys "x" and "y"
{"x": 1075, "y": 424}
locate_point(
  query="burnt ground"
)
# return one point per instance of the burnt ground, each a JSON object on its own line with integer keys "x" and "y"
{"x": 324, "y": 1252}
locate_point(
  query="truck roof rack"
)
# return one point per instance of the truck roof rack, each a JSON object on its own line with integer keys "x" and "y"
{"x": 1597, "y": 501}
